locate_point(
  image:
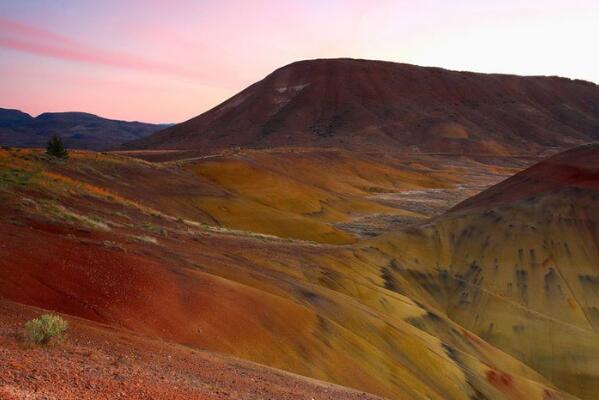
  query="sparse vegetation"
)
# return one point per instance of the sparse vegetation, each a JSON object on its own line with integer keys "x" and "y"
{"x": 122, "y": 215}
{"x": 149, "y": 227}
{"x": 56, "y": 148}
{"x": 109, "y": 244}
{"x": 43, "y": 329}
{"x": 145, "y": 239}
{"x": 14, "y": 177}
{"x": 54, "y": 209}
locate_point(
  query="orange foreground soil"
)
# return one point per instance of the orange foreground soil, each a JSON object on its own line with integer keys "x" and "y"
{"x": 99, "y": 362}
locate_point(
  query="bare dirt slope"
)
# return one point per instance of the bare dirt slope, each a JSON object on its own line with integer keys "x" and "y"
{"x": 375, "y": 105}
{"x": 97, "y": 361}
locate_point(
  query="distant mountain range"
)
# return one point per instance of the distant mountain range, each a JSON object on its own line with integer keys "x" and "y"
{"x": 77, "y": 129}
{"x": 375, "y": 105}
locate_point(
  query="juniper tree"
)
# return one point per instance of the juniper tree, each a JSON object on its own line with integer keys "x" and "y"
{"x": 56, "y": 148}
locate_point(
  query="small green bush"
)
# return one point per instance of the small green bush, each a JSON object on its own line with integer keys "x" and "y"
{"x": 43, "y": 329}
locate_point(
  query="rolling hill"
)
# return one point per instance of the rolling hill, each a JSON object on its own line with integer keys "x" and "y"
{"x": 175, "y": 252}
{"x": 374, "y": 225}
{"x": 78, "y": 130}
{"x": 517, "y": 265}
{"x": 374, "y": 105}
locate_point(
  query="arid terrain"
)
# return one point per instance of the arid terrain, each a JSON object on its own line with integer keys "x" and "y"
{"x": 99, "y": 362}
{"x": 366, "y": 105}
{"x": 257, "y": 270}
{"x": 304, "y": 294}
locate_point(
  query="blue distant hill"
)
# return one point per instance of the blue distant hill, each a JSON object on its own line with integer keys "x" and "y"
{"x": 77, "y": 129}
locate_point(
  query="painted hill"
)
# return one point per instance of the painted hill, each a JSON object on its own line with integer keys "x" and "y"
{"x": 145, "y": 254}
{"x": 375, "y": 105}
{"x": 576, "y": 169}
{"x": 78, "y": 130}
{"x": 518, "y": 265}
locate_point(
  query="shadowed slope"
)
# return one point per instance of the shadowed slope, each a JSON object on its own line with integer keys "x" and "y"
{"x": 361, "y": 104}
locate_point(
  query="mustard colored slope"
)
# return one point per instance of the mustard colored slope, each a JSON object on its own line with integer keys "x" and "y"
{"x": 519, "y": 270}
{"x": 403, "y": 324}
{"x": 255, "y": 193}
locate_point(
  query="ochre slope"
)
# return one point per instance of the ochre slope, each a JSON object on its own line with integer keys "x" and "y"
{"x": 202, "y": 190}
{"x": 518, "y": 266}
{"x": 363, "y": 104}
{"x": 289, "y": 193}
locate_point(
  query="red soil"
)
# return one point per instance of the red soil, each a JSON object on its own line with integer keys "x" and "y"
{"x": 157, "y": 291}
{"x": 99, "y": 362}
{"x": 499, "y": 379}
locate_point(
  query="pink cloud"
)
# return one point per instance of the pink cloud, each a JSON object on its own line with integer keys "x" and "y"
{"x": 16, "y": 28}
{"x": 18, "y": 36}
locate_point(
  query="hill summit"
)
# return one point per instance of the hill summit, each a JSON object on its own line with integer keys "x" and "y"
{"x": 374, "y": 105}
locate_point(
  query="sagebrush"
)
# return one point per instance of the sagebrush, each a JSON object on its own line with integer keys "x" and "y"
{"x": 43, "y": 329}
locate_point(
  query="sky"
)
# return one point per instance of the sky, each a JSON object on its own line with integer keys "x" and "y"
{"x": 170, "y": 60}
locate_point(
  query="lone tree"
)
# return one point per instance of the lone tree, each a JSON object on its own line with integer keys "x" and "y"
{"x": 56, "y": 148}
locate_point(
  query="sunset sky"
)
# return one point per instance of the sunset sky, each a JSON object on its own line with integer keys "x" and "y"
{"x": 169, "y": 60}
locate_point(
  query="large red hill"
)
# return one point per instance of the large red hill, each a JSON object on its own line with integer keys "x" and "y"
{"x": 361, "y": 104}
